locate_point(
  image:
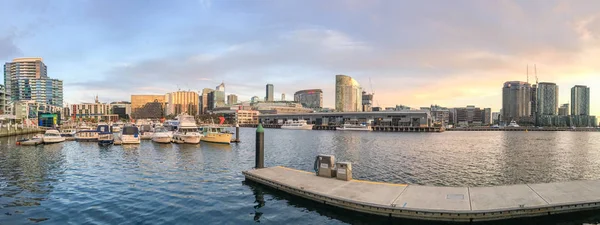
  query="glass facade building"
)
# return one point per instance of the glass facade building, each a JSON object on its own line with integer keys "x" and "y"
{"x": 311, "y": 98}
{"x": 580, "y": 100}
{"x": 348, "y": 94}
{"x": 516, "y": 101}
{"x": 547, "y": 99}
{"x": 27, "y": 79}
{"x": 270, "y": 92}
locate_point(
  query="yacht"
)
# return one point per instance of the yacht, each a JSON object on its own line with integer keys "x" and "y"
{"x": 297, "y": 125}
{"x": 513, "y": 124}
{"x": 52, "y": 136}
{"x": 130, "y": 135}
{"x": 68, "y": 132}
{"x": 162, "y": 135}
{"x": 116, "y": 128}
{"x": 105, "y": 135}
{"x": 355, "y": 127}
{"x": 215, "y": 134}
{"x": 86, "y": 135}
{"x": 146, "y": 131}
{"x": 187, "y": 131}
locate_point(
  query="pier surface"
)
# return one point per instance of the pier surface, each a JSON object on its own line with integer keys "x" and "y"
{"x": 432, "y": 202}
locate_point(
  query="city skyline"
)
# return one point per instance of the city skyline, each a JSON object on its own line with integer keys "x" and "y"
{"x": 468, "y": 66}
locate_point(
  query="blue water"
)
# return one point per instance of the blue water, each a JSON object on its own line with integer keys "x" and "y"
{"x": 83, "y": 183}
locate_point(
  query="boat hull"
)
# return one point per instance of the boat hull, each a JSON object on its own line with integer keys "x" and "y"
{"x": 86, "y": 139}
{"x": 353, "y": 129}
{"x": 162, "y": 140}
{"x": 187, "y": 139}
{"x": 220, "y": 138}
{"x": 306, "y": 127}
{"x": 53, "y": 140}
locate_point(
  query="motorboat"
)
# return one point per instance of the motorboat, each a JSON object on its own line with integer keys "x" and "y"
{"x": 215, "y": 134}
{"x": 86, "y": 135}
{"x": 355, "y": 127}
{"x": 83, "y": 127}
{"x": 297, "y": 125}
{"x": 513, "y": 124}
{"x": 116, "y": 128}
{"x": 146, "y": 131}
{"x": 68, "y": 132}
{"x": 187, "y": 131}
{"x": 52, "y": 136}
{"x": 162, "y": 135}
{"x": 105, "y": 135}
{"x": 130, "y": 135}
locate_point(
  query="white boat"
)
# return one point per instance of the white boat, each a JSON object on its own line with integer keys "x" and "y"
{"x": 355, "y": 127}
{"x": 130, "y": 135}
{"x": 68, "y": 132}
{"x": 52, "y": 136}
{"x": 146, "y": 131}
{"x": 86, "y": 135}
{"x": 116, "y": 128}
{"x": 162, "y": 135}
{"x": 513, "y": 124}
{"x": 297, "y": 125}
{"x": 187, "y": 131}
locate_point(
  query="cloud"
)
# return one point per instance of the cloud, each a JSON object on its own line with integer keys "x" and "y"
{"x": 8, "y": 48}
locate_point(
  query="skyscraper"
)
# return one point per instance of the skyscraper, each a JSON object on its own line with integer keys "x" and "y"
{"x": 348, "y": 94}
{"x": 311, "y": 98}
{"x": 218, "y": 96}
{"x": 516, "y": 101}
{"x": 27, "y": 79}
{"x": 547, "y": 99}
{"x": 232, "y": 99}
{"x": 204, "y": 101}
{"x": 269, "y": 95}
{"x": 563, "y": 110}
{"x": 580, "y": 100}
{"x": 182, "y": 102}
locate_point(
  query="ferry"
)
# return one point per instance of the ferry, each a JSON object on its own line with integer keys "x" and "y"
{"x": 130, "y": 135}
{"x": 52, "y": 136}
{"x": 215, "y": 134}
{"x": 355, "y": 127}
{"x": 297, "y": 125}
{"x": 187, "y": 132}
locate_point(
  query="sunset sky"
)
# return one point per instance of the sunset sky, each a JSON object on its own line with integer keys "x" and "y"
{"x": 416, "y": 53}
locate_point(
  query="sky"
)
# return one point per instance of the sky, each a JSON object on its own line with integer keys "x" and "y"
{"x": 415, "y": 53}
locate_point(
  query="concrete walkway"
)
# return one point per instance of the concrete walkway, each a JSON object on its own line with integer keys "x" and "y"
{"x": 431, "y": 202}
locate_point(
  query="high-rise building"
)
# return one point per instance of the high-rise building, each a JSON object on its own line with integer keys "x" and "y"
{"x": 311, "y": 98}
{"x": 27, "y": 79}
{"x": 367, "y": 101}
{"x": 269, "y": 94}
{"x": 232, "y": 99}
{"x": 495, "y": 117}
{"x": 204, "y": 101}
{"x": 534, "y": 110}
{"x": 470, "y": 115}
{"x": 147, "y": 106}
{"x": 487, "y": 116}
{"x": 348, "y": 94}
{"x": 218, "y": 97}
{"x": 282, "y": 96}
{"x": 181, "y": 102}
{"x": 547, "y": 99}
{"x": 580, "y": 100}
{"x": 563, "y": 110}
{"x": 516, "y": 101}
{"x": 4, "y": 99}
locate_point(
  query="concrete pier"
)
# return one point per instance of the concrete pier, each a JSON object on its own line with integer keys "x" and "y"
{"x": 466, "y": 204}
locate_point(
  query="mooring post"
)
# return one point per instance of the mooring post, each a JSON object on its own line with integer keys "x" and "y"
{"x": 260, "y": 147}
{"x": 237, "y": 132}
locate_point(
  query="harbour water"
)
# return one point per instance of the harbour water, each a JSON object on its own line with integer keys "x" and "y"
{"x": 79, "y": 183}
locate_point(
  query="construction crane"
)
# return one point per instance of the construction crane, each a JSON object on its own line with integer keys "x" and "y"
{"x": 372, "y": 92}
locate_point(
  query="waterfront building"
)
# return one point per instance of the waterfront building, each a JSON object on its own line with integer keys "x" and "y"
{"x": 547, "y": 99}
{"x": 367, "y": 101}
{"x": 4, "y": 100}
{"x": 310, "y": 98}
{"x": 470, "y": 116}
{"x": 27, "y": 79}
{"x": 29, "y": 110}
{"x": 122, "y": 109}
{"x": 516, "y": 102}
{"x": 181, "y": 102}
{"x": 495, "y": 117}
{"x": 269, "y": 95}
{"x": 563, "y": 110}
{"x": 348, "y": 94}
{"x": 280, "y": 107}
{"x": 440, "y": 116}
{"x": 413, "y": 118}
{"x": 399, "y": 108}
{"x": 580, "y": 100}
{"x": 232, "y": 99}
{"x": 534, "y": 103}
{"x": 487, "y": 116}
{"x": 96, "y": 111}
{"x": 147, "y": 106}
{"x": 237, "y": 115}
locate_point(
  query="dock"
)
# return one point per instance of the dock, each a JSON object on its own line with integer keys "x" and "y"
{"x": 434, "y": 203}
{"x": 117, "y": 139}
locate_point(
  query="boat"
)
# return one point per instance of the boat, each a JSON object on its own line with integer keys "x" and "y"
{"x": 215, "y": 134}
{"x": 130, "y": 135}
{"x": 52, "y": 136}
{"x": 187, "y": 131}
{"x": 297, "y": 125}
{"x": 83, "y": 127}
{"x": 146, "y": 131}
{"x": 355, "y": 127}
{"x": 162, "y": 135}
{"x": 116, "y": 128}
{"x": 86, "y": 135}
{"x": 35, "y": 140}
{"x": 68, "y": 132}
{"x": 105, "y": 135}
{"x": 513, "y": 124}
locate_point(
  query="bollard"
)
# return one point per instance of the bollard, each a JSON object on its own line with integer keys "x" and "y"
{"x": 260, "y": 147}
{"x": 237, "y": 132}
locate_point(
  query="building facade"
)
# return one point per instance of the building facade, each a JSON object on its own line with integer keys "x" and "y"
{"x": 547, "y": 99}
{"x": 4, "y": 99}
{"x": 367, "y": 101}
{"x": 181, "y": 102}
{"x": 414, "y": 118}
{"x": 232, "y": 99}
{"x": 269, "y": 93}
{"x": 93, "y": 111}
{"x": 348, "y": 94}
{"x": 204, "y": 106}
{"x": 580, "y": 100}
{"x": 311, "y": 98}
{"x": 27, "y": 79}
{"x": 516, "y": 101}
{"x": 147, "y": 106}
{"x": 563, "y": 110}
{"x": 469, "y": 116}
